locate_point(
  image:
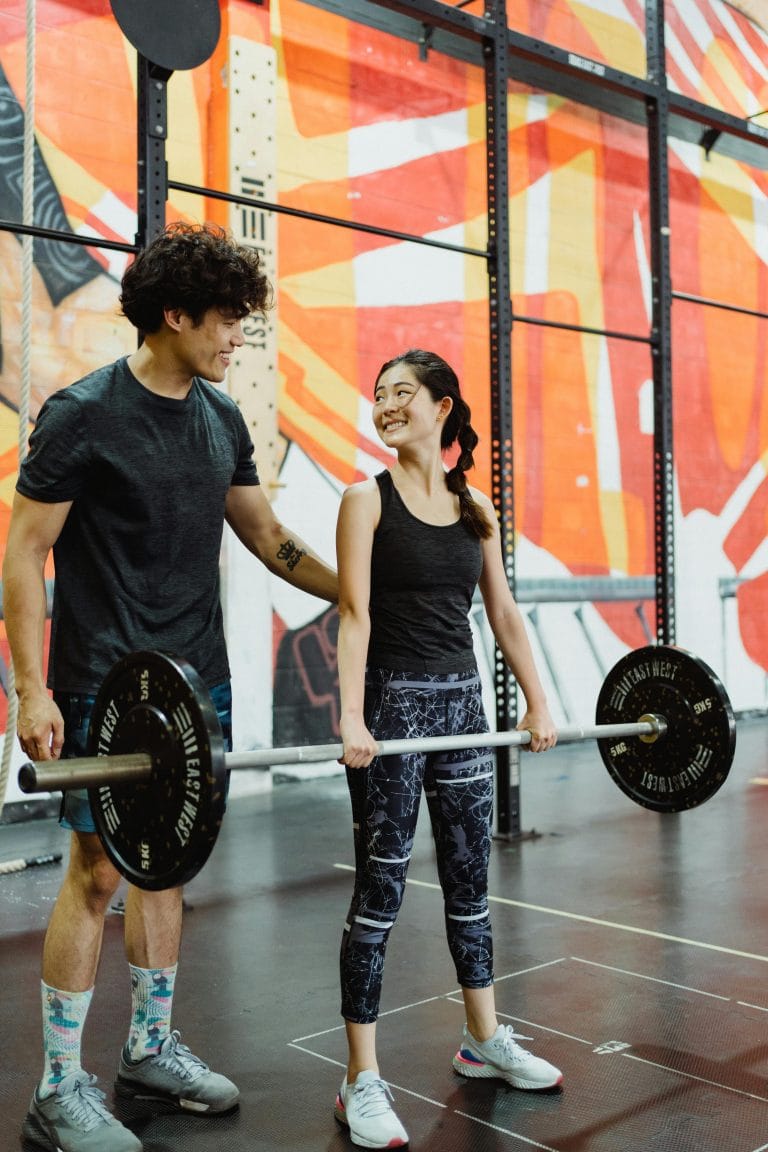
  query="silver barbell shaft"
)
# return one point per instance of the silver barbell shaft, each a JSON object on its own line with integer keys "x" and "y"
{"x": 88, "y": 771}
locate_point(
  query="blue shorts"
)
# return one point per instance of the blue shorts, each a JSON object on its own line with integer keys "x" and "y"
{"x": 76, "y": 709}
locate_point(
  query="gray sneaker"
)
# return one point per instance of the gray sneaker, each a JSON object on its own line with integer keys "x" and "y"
{"x": 74, "y": 1119}
{"x": 175, "y": 1075}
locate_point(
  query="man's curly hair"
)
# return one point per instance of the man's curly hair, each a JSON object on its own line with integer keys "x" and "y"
{"x": 193, "y": 267}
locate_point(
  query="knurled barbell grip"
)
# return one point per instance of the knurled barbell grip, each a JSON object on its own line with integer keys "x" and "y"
{"x": 83, "y": 772}
{"x": 89, "y": 771}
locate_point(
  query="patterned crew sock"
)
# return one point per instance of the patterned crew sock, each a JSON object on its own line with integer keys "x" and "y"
{"x": 151, "y": 1003}
{"x": 64, "y": 1015}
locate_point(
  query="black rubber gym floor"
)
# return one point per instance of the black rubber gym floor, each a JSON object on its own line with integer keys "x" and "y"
{"x": 631, "y": 947}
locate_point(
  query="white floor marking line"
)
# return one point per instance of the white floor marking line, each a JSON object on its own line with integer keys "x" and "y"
{"x": 525, "y": 971}
{"x": 454, "y": 992}
{"x": 415, "y": 1004}
{"x": 389, "y": 1012}
{"x": 597, "y": 922}
{"x": 758, "y": 1008}
{"x": 511, "y": 975}
{"x": 314, "y": 1035}
{"x": 531, "y": 1024}
{"x": 318, "y": 1055}
{"x": 653, "y": 979}
{"x": 762, "y": 1148}
{"x": 543, "y": 1028}
{"x": 690, "y": 1076}
{"x": 506, "y": 1131}
{"x": 399, "y": 1087}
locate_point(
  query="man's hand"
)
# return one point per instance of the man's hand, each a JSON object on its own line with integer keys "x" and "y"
{"x": 40, "y": 726}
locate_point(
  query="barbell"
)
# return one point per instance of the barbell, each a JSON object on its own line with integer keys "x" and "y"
{"x": 157, "y": 770}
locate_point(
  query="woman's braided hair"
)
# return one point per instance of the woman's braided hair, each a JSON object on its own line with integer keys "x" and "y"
{"x": 441, "y": 380}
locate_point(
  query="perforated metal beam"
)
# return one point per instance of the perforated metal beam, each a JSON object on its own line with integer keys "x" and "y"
{"x": 152, "y": 133}
{"x": 661, "y": 326}
{"x": 502, "y": 449}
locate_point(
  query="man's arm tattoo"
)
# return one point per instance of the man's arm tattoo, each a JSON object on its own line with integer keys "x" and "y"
{"x": 290, "y": 554}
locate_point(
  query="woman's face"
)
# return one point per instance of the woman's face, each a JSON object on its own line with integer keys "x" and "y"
{"x": 404, "y": 410}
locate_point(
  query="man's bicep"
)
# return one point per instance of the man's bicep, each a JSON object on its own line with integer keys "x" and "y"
{"x": 35, "y": 525}
{"x": 250, "y": 516}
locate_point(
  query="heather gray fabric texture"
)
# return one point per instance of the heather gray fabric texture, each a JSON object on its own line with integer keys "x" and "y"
{"x": 137, "y": 562}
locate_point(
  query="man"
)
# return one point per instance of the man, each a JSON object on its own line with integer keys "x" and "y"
{"x": 130, "y": 476}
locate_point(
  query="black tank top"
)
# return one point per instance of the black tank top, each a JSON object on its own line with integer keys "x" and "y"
{"x": 422, "y": 580}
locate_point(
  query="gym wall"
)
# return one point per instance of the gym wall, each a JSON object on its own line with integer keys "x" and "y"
{"x": 305, "y": 108}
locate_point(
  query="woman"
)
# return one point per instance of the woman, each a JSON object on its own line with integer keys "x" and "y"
{"x": 412, "y": 545}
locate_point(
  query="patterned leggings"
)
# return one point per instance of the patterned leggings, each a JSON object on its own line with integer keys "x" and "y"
{"x": 385, "y": 798}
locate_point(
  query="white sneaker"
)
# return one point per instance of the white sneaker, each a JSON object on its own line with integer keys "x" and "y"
{"x": 502, "y": 1056}
{"x": 364, "y": 1107}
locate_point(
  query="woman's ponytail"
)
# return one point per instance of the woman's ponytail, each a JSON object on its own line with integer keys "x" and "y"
{"x": 472, "y": 514}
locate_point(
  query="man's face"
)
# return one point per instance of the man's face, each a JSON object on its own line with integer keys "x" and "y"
{"x": 206, "y": 348}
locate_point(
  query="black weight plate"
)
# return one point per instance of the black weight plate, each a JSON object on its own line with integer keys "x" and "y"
{"x": 158, "y": 833}
{"x": 176, "y": 34}
{"x": 688, "y": 764}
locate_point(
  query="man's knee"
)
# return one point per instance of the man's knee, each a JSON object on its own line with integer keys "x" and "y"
{"x": 91, "y": 870}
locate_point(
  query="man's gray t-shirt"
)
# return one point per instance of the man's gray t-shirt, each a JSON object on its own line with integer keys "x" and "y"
{"x": 137, "y": 562}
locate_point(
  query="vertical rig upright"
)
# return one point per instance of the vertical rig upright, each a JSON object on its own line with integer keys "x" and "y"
{"x": 657, "y": 108}
{"x": 500, "y": 325}
{"x": 152, "y": 174}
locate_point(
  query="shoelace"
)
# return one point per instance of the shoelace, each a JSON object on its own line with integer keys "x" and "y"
{"x": 178, "y": 1059}
{"x": 371, "y": 1098}
{"x": 509, "y": 1046}
{"x": 83, "y": 1103}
